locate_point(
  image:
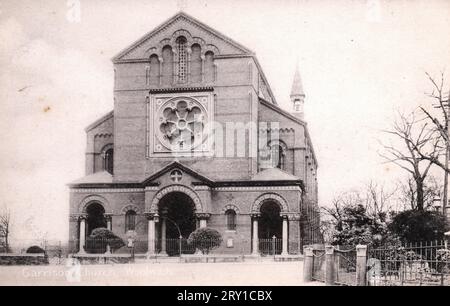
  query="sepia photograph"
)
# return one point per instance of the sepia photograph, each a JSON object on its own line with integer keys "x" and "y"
{"x": 233, "y": 144}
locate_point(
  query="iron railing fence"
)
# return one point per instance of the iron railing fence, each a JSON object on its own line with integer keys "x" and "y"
{"x": 413, "y": 264}
{"x": 175, "y": 247}
{"x": 270, "y": 247}
{"x": 345, "y": 265}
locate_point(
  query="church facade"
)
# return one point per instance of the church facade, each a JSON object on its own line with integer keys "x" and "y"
{"x": 197, "y": 139}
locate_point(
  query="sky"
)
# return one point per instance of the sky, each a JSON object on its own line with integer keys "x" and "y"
{"x": 360, "y": 61}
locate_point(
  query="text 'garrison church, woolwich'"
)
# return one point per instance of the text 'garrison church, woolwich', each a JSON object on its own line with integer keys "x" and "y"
{"x": 196, "y": 139}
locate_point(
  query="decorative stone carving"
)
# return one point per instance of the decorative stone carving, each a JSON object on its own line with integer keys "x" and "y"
{"x": 94, "y": 199}
{"x": 231, "y": 207}
{"x": 203, "y": 216}
{"x": 176, "y": 188}
{"x": 131, "y": 207}
{"x": 256, "y": 207}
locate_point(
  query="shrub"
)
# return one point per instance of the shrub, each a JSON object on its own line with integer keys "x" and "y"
{"x": 416, "y": 226}
{"x": 35, "y": 250}
{"x": 100, "y": 238}
{"x": 205, "y": 239}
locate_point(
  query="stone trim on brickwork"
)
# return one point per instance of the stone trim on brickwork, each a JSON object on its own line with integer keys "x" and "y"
{"x": 231, "y": 207}
{"x": 94, "y": 199}
{"x": 256, "y": 207}
{"x": 176, "y": 188}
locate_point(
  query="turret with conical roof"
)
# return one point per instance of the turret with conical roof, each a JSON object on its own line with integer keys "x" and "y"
{"x": 298, "y": 96}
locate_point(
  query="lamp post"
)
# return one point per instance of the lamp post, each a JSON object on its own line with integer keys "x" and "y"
{"x": 179, "y": 232}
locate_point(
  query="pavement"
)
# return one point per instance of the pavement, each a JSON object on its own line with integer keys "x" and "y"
{"x": 158, "y": 274}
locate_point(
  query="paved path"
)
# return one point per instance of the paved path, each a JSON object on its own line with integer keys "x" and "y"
{"x": 169, "y": 274}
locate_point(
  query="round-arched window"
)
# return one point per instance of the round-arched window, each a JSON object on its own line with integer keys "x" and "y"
{"x": 130, "y": 221}
{"x": 231, "y": 219}
{"x": 108, "y": 163}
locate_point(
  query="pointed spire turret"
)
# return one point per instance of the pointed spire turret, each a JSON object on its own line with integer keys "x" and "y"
{"x": 297, "y": 85}
{"x": 298, "y": 95}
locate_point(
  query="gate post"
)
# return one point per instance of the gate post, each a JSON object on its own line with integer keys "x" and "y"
{"x": 361, "y": 265}
{"x": 329, "y": 265}
{"x": 308, "y": 264}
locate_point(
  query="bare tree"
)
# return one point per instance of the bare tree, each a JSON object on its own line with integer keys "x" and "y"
{"x": 407, "y": 193}
{"x": 441, "y": 124}
{"x": 5, "y": 219}
{"x": 419, "y": 146}
{"x": 442, "y": 104}
{"x": 378, "y": 199}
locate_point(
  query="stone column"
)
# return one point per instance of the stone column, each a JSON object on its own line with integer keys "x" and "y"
{"x": 308, "y": 264}
{"x": 255, "y": 240}
{"x": 108, "y": 218}
{"x": 151, "y": 233}
{"x": 361, "y": 265}
{"x": 82, "y": 229}
{"x": 163, "y": 236}
{"x": 285, "y": 240}
{"x": 329, "y": 266}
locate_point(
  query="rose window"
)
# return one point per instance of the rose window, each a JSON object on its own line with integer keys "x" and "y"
{"x": 181, "y": 125}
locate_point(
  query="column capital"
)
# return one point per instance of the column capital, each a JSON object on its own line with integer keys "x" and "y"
{"x": 108, "y": 216}
{"x": 203, "y": 216}
{"x": 255, "y": 215}
{"x": 284, "y": 216}
{"x": 150, "y": 216}
{"x": 82, "y": 217}
{"x": 293, "y": 217}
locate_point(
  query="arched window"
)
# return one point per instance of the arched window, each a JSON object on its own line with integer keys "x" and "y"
{"x": 196, "y": 64}
{"x": 154, "y": 70}
{"x": 130, "y": 220}
{"x": 277, "y": 156}
{"x": 182, "y": 59}
{"x": 108, "y": 163}
{"x": 209, "y": 67}
{"x": 231, "y": 219}
{"x": 167, "y": 66}
{"x": 297, "y": 105}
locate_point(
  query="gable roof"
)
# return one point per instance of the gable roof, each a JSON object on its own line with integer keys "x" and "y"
{"x": 100, "y": 121}
{"x": 103, "y": 177}
{"x": 288, "y": 115}
{"x": 274, "y": 174}
{"x": 177, "y": 165}
{"x": 180, "y": 16}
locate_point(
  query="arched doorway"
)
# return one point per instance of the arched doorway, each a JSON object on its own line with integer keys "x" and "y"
{"x": 270, "y": 225}
{"x": 95, "y": 219}
{"x": 177, "y": 215}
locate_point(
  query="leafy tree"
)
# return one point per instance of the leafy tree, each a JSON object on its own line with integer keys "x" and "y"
{"x": 359, "y": 217}
{"x": 205, "y": 239}
{"x": 416, "y": 226}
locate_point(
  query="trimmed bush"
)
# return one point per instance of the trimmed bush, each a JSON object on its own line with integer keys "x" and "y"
{"x": 205, "y": 239}
{"x": 100, "y": 238}
{"x": 35, "y": 250}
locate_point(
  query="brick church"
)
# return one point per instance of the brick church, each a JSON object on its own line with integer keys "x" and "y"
{"x": 197, "y": 139}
